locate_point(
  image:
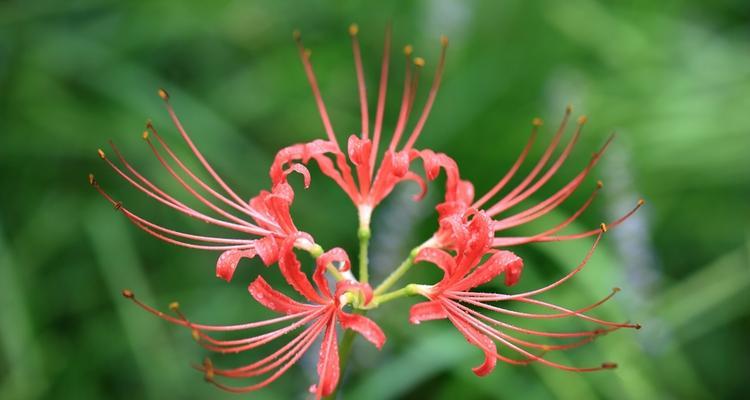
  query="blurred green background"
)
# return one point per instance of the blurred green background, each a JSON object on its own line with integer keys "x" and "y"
{"x": 671, "y": 78}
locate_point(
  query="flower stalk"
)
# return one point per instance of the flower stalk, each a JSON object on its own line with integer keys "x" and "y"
{"x": 402, "y": 269}
{"x": 363, "y": 234}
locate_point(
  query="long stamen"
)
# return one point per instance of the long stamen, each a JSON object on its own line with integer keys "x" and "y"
{"x": 169, "y": 201}
{"x": 242, "y": 207}
{"x": 491, "y": 332}
{"x": 155, "y": 233}
{"x": 154, "y": 229}
{"x": 592, "y": 232}
{"x": 138, "y": 176}
{"x": 546, "y": 347}
{"x": 582, "y": 316}
{"x": 191, "y": 190}
{"x": 567, "y": 190}
{"x": 579, "y": 313}
{"x": 305, "y": 57}
{"x": 353, "y": 30}
{"x": 297, "y": 355}
{"x": 543, "y": 237}
{"x": 128, "y": 294}
{"x": 418, "y": 65}
{"x": 536, "y": 123}
{"x": 602, "y": 229}
{"x": 532, "y": 214}
{"x": 299, "y": 352}
{"x": 178, "y": 124}
{"x": 403, "y": 112}
{"x": 139, "y": 220}
{"x": 539, "y": 165}
{"x": 288, "y": 350}
{"x": 458, "y": 318}
{"x": 241, "y": 345}
{"x": 547, "y": 175}
{"x": 431, "y": 97}
{"x": 381, "y": 98}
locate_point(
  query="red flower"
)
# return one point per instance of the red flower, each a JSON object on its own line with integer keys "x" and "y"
{"x": 319, "y": 316}
{"x": 264, "y": 221}
{"x": 371, "y": 184}
{"x": 465, "y": 246}
{"x": 459, "y": 197}
{"x": 451, "y": 297}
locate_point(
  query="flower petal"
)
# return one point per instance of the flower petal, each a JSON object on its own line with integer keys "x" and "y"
{"x": 268, "y": 249}
{"x": 291, "y": 269}
{"x": 501, "y": 261}
{"x": 302, "y": 152}
{"x": 335, "y": 254}
{"x": 364, "y": 326}
{"x": 302, "y": 170}
{"x": 359, "y": 150}
{"x": 438, "y": 257}
{"x": 351, "y": 286}
{"x": 274, "y": 300}
{"x": 427, "y": 311}
{"x": 228, "y": 260}
{"x": 476, "y": 338}
{"x": 328, "y": 364}
{"x": 455, "y": 188}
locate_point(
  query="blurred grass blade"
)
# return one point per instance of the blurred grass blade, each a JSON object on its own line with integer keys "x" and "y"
{"x": 23, "y": 375}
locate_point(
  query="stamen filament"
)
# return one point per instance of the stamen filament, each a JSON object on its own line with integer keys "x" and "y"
{"x": 353, "y": 30}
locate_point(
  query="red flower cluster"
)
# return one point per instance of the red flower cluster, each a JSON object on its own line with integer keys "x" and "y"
{"x": 466, "y": 246}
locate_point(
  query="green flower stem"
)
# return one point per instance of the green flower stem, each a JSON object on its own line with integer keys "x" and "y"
{"x": 403, "y": 268}
{"x": 363, "y": 233}
{"x": 408, "y": 290}
{"x": 396, "y": 274}
{"x": 335, "y": 272}
{"x": 364, "y": 241}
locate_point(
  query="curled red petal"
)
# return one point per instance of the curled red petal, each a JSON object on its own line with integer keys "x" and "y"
{"x": 427, "y": 311}
{"x": 359, "y": 150}
{"x": 364, "y": 326}
{"x": 399, "y": 163}
{"x": 268, "y": 249}
{"x": 302, "y": 170}
{"x": 364, "y": 290}
{"x": 464, "y": 192}
{"x": 298, "y": 152}
{"x": 501, "y": 261}
{"x": 274, "y": 300}
{"x": 419, "y": 181}
{"x": 456, "y": 189}
{"x": 335, "y": 254}
{"x": 275, "y": 205}
{"x": 476, "y": 338}
{"x": 450, "y": 208}
{"x": 228, "y": 260}
{"x": 479, "y": 239}
{"x": 438, "y": 257}
{"x": 291, "y": 269}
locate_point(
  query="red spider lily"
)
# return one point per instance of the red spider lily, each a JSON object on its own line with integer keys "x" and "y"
{"x": 370, "y": 185}
{"x": 465, "y": 246}
{"x": 464, "y": 271}
{"x": 318, "y": 317}
{"x": 264, "y": 221}
{"x": 460, "y": 193}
